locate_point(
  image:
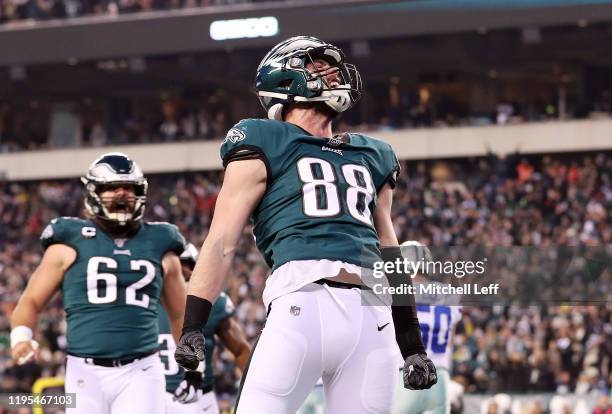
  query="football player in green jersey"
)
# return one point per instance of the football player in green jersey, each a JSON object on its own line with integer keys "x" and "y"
{"x": 321, "y": 207}
{"x": 113, "y": 270}
{"x": 182, "y": 391}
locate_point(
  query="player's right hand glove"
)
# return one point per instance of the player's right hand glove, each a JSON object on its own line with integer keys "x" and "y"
{"x": 190, "y": 350}
{"x": 419, "y": 372}
{"x": 187, "y": 391}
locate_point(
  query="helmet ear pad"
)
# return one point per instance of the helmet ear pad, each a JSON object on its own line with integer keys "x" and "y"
{"x": 275, "y": 112}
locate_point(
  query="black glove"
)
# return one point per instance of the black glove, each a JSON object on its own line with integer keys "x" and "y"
{"x": 190, "y": 350}
{"x": 187, "y": 391}
{"x": 419, "y": 372}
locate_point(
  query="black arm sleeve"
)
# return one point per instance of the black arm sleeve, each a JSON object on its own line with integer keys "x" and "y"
{"x": 197, "y": 311}
{"x": 403, "y": 310}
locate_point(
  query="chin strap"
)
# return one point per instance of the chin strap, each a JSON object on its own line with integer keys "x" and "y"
{"x": 338, "y": 99}
{"x": 276, "y": 112}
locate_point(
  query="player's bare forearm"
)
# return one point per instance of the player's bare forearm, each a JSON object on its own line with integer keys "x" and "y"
{"x": 243, "y": 187}
{"x": 233, "y": 338}
{"x": 176, "y": 326}
{"x": 382, "y": 217}
{"x": 174, "y": 293}
{"x": 25, "y": 313}
{"x": 214, "y": 263}
{"x": 42, "y": 284}
{"x": 242, "y": 359}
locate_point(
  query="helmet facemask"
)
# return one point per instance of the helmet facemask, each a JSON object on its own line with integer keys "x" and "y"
{"x": 108, "y": 172}
{"x": 117, "y": 209}
{"x": 338, "y": 97}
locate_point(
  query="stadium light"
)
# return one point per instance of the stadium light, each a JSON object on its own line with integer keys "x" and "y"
{"x": 244, "y": 28}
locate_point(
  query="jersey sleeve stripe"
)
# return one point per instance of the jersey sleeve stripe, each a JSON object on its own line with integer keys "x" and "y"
{"x": 249, "y": 152}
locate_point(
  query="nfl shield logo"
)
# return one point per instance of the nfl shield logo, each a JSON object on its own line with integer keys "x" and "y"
{"x": 120, "y": 242}
{"x": 294, "y": 310}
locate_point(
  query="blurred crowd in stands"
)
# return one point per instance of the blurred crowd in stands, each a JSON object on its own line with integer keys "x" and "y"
{"x": 507, "y": 201}
{"x": 37, "y": 126}
{"x": 40, "y": 124}
{"x": 22, "y": 10}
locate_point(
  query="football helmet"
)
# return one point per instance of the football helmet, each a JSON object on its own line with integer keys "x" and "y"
{"x": 282, "y": 77}
{"x": 110, "y": 169}
{"x": 414, "y": 250}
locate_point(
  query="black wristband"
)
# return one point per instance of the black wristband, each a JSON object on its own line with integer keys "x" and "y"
{"x": 194, "y": 377}
{"x": 197, "y": 311}
{"x": 407, "y": 328}
{"x": 407, "y": 332}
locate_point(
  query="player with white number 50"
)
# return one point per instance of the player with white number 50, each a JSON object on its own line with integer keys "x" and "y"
{"x": 112, "y": 269}
{"x": 438, "y": 314}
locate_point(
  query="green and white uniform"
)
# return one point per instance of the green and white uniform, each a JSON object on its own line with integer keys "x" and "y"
{"x": 111, "y": 297}
{"x": 315, "y": 219}
{"x": 112, "y": 291}
{"x": 222, "y": 309}
{"x": 320, "y": 198}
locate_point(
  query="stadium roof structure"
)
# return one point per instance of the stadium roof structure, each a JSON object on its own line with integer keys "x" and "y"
{"x": 187, "y": 30}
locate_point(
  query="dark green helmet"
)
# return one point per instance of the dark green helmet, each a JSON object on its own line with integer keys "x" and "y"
{"x": 282, "y": 77}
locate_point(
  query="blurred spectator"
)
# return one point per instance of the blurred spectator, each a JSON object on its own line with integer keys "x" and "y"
{"x": 16, "y": 10}
{"x": 603, "y": 405}
{"x": 98, "y": 136}
{"x": 66, "y": 125}
{"x": 541, "y": 348}
{"x": 42, "y": 124}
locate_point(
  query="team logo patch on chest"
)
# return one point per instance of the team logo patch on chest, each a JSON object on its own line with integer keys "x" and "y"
{"x": 335, "y": 150}
{"x": 120, "y": 243}
{"x": 124, "y": 252}
{"x": 234, "y": 135}
{"x": 334, "y": 142}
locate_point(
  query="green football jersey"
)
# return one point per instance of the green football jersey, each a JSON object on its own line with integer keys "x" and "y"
{"x": 111, "y": 292}
{"x": 321, "y": 193}
{"x": 222, "y": 309}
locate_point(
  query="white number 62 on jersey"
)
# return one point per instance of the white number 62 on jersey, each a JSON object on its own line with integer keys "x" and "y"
{"x": 109, "y": 293}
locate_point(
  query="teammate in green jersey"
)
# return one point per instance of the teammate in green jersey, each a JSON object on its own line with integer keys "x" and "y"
{"x": 321, "y": 207}
{"x": 183, "y": 397}
{"x": 113, "y": 269}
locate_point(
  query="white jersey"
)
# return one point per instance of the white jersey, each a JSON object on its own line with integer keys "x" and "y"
{"x": 437, "y": 322}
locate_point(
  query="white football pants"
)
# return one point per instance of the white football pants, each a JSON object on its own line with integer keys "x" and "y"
{"x": 138, "y": 387}
{"x": 321, "y": 331}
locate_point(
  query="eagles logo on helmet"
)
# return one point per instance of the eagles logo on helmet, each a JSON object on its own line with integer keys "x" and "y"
{"x": 282, "y": 77}
{"x": 111, "y": 169}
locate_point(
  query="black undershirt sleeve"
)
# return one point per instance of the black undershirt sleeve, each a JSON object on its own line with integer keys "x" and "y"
{"x": 403, "y": 310}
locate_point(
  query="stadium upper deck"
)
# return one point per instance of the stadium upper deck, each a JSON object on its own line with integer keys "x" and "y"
{"x": 190, "y": 29}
